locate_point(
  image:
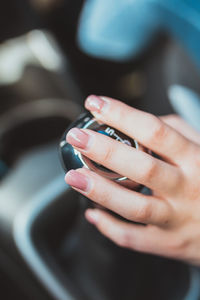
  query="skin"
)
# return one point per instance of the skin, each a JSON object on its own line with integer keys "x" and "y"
{"x": 172, "y": 212}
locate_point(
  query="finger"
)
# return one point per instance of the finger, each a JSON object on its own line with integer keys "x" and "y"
{"x": 126, "y": 161}
{"x": 132, "y": 236}
{"x": 128, "y": 204}
{"x": 181, "y": 126}
{"x": 147, "y": 239}
{"x": 146, "y": 128}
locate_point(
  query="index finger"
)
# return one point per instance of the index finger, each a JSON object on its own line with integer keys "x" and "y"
{"x": 146, "y": 128}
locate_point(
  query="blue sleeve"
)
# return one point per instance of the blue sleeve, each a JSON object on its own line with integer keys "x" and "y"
{"x": 121, "y": 29}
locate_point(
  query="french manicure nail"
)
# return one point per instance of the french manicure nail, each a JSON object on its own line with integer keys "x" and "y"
{"x": 78, "y": 138}
{"x": 78, "y": 180}
{"x": 95, "y": 103}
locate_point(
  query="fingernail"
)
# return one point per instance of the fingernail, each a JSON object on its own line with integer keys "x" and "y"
{"x": 78, "y": 180}
{"x": 95, "y": 103}
{"x": 78, "y": 138}
{"x": 92, "y": 216}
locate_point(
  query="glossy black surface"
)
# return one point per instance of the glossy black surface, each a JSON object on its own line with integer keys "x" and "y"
{"x": 72, "y": 159}
{"x": 69, "y": 158}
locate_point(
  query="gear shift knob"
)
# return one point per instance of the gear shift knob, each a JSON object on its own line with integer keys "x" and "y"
{"x": 71, "y": 158}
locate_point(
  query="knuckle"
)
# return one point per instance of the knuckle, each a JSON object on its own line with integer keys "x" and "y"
{"x": 108, "y": 154}
{"x": 178, "y": 183}
{"x": 178, "y": 246}
{"x": 144, "y": 214}
{"x": 149, "y": 171}
{"x": 157, "y": 129}
{"x": 99, "y": 195}
{"x": 124, "y": 239}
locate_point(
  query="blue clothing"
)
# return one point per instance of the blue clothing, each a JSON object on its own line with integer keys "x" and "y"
{"x": 120, "y": 29}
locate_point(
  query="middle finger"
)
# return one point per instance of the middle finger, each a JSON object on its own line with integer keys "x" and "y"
{"x": 125, "y": 160}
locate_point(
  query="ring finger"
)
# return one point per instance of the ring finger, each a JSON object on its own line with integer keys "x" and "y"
{"x": 126, "y": 161}
{"x": 129, "y": 204}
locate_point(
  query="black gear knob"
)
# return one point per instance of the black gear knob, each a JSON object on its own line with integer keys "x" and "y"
{"x": 71, "y": 158}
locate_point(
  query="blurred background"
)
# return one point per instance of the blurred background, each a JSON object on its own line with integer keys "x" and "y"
{"x": 53, "y": 53}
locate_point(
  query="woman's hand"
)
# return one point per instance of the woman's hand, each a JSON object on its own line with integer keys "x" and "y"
{"x": 172, "y": 212}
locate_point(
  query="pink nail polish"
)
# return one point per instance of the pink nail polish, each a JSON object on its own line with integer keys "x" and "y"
{"x": 92, "y": 216}
{"x": 94, "y": 103}
{"x": 77, "y": 180}
{"x": 78, "y": 138}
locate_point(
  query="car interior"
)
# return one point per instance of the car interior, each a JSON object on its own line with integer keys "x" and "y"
{"x": 47, "y": 248}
